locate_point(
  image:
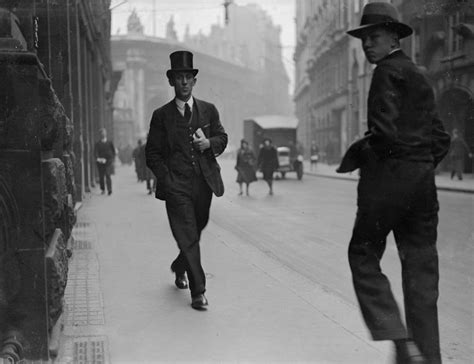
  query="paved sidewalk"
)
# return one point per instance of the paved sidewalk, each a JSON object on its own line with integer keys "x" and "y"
{"x": 122, "y": 306}
{"x": 443, "y": 180}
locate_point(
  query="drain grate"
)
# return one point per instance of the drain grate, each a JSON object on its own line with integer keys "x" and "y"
{"x": 82, "y": 244}
{"x": 82, "y": 224}
{"x": 83, "y": 295}
{"x": 83, "y": 231}
{"x": 89, "y": 350}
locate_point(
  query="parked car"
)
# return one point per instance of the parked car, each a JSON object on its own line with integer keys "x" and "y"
{"x": 286, "y": 164}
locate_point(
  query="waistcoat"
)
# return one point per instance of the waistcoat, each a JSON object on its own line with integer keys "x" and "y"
{"x": 190, "y": 156}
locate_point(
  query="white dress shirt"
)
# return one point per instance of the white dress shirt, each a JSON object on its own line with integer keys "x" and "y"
{"x": 180, "y": 105}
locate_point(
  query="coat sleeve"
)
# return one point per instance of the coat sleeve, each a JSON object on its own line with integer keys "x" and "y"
{"x": 440, "y": 140}
{"x": 384, "y": 107}
{"x": 112, "y": 147}
{"x": 218, "y": 136}
{"x": 156, "y": 148}
{"x": 275, "y": 159}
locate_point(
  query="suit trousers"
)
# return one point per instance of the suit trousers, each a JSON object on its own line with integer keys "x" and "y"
{"x": 399, "y": 196}
{"x": 104, "y": 176}
{"x": 187, "y": 204}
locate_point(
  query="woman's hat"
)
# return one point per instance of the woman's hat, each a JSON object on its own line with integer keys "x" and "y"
{"x": 380, "y": 14}
{"x": 181, "y": 61}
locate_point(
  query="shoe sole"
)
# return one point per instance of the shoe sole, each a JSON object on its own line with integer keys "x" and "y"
{"x": 200, "y": 307}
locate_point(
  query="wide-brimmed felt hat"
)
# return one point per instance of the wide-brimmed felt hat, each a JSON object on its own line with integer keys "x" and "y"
{"x": 380, "y": 14}
{"x": 181, "y": 61}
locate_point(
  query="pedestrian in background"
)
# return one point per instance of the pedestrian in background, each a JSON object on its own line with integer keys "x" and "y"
{"x": 268, "y": 162}
{"x": 314, "y": 154}
{"x": 104, "y": 153}
{"x": 459, "y": 149}
{"x": 138, "y": 160}
{"x": 185, "y": 137}
{"x": 245, "y": 166}
{"x": 396, "y": 192}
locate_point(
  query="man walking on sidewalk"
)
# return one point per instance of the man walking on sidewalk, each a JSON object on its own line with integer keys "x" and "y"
{"x": 185, "y": 137}
{"x": 396, "y": 191}
{"x": 104, "y": 156}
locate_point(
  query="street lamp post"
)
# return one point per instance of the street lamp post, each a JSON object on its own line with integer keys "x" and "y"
{"x": 226, "y": 7}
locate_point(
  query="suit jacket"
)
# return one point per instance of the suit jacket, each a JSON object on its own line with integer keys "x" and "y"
{"x": 401, "y": 117}
{"x": 162, "y": 144}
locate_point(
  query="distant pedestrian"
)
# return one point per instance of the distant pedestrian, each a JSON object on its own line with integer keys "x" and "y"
{"x": 268, "y": 162}
{"x": 185, "y": 137}
{"x": 104, "y": 155}
{"x": 245, "y": 166}
{"x": 138, "y": 160}
{"x": 396, "y": 192}
{"x": 314, "y": 154}
{"x": 459, "y": 149}
{"x": 146, "y": 172}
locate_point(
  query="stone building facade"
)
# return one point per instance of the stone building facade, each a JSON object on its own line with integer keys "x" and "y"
{"x": 238, "y": 89}
{"x": 332, "y": 76}
{"x": 322, "y": 55}
{"x": 443, "y": 45}
{"x": 56, "y": 92}
{"x": 250, "y": 40}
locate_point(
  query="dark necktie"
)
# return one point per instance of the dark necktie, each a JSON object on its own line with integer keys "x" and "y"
{"x": 187, "y": 112}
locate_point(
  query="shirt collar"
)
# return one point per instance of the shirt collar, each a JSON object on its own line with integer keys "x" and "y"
{"x": 394, "y": 50}
{"x": 180, "y": 103}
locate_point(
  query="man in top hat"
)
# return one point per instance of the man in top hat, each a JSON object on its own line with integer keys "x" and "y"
{"x": 184, "y": 139}
{"x": 396, "y": 192}
{"x": 104, "y": 152}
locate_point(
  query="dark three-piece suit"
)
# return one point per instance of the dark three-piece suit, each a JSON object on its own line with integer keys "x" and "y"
{"x": 186, "y": 178}
{"x": 396, "y": 192}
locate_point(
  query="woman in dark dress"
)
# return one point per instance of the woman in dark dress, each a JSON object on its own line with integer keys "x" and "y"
{"x": 245, "y": 166}
{"x": 268, "y": 162}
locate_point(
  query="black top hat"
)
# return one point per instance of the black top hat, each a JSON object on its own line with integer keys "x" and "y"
{"x": 379, "y": 14}
{"x": 181, "y": 61}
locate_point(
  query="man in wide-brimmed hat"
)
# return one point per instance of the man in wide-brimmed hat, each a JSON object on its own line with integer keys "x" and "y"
{"x": 185, "y": 137}
{"x": 397, "y": 157}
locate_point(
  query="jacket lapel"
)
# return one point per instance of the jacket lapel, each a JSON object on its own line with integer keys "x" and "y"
{"x": 202, "y": 111}
{"x": 170, "y": 119}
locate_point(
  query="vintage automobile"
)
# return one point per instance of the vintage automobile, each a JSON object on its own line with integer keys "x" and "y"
{"x": 282, "y": 130}
{"x": 287, "y": 164}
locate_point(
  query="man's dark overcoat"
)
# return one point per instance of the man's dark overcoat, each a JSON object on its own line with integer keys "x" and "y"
{"x": 397, "y": 193}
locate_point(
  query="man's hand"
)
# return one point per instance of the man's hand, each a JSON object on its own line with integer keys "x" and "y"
{"x": 201, "y": 142}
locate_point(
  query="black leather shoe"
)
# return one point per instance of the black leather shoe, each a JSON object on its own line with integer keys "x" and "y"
{"x": 181, "y": 281}
{"x": 199, "y": 302}
{"x": 408, "y": 353}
